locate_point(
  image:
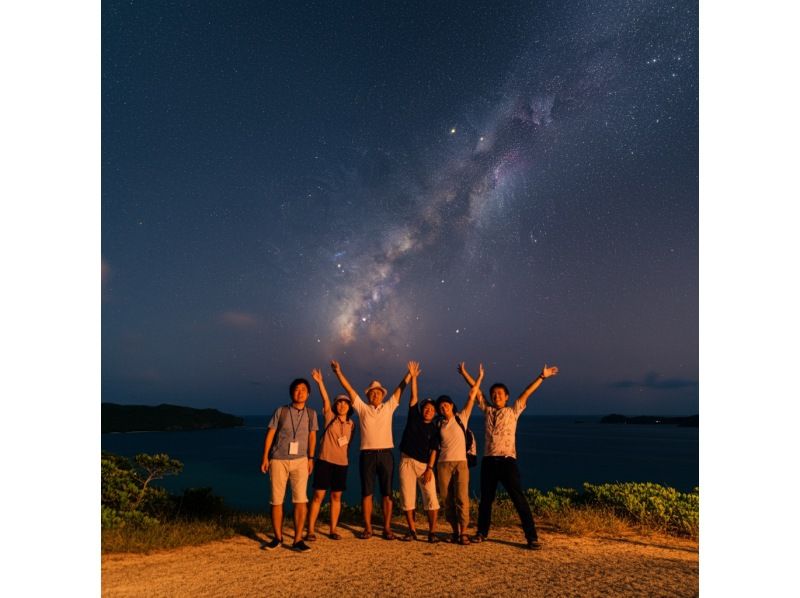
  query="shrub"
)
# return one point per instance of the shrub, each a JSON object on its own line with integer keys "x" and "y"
{"x": 556, "y": 500}
{"x": 649, "y": 504}
{"x": 126, "y": 496}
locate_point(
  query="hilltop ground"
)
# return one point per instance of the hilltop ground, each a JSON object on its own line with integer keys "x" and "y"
{"x": 630, "y": 564}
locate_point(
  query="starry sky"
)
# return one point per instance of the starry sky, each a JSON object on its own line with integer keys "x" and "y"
{"x": 513, "y": 183}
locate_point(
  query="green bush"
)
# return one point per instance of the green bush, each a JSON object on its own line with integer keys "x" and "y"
{"x": 126, "y": 496}
{"x": 649, "y": 504}
{"x": 554, "y": 501}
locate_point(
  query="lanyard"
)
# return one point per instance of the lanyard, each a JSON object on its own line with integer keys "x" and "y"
{"x": 291, "y": 417}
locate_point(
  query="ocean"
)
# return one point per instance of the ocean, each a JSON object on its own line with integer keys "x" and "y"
{"x": 551, "y": 451}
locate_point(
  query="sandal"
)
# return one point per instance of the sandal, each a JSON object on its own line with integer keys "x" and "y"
{"x": 388, "y": 535}
{"x": 366, "y": 534}
{"x": 411, "y": 535}
{"x": 335, "y": 536}
{"x": 433, "y": 538}
{"x": 311, "y": 537}
{"x": 464, "y": 540}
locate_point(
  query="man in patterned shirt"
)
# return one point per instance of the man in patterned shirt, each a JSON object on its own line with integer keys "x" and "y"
{"x": 499, "y": 463}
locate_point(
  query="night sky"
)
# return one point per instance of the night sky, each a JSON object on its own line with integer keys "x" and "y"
{"x": 508, "y": 182}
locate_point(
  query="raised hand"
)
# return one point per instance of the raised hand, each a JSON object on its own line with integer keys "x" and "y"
{"x": 413, "y": 369}
{"x": 337, "y": 369}
{"x": 480, "y": 373}
{"x": 549, "y": 371}
{"x": 316, "y": 374}
{"x": 462, "y": 369}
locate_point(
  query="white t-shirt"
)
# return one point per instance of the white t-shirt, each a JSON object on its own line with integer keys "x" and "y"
{"x": 453, "y": 446}
{"x": 375, "y": 423}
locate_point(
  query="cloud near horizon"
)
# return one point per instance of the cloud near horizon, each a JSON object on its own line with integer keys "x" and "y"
{"x": 239, "y": 319}
{"x": 651, "y": 380}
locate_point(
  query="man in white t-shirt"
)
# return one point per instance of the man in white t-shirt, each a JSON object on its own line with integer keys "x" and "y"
{"x": 375, "y": 458}
{"x": 499, "y": 464}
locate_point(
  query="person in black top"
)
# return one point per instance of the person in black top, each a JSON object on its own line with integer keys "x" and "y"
{"x": 417, "y": 456}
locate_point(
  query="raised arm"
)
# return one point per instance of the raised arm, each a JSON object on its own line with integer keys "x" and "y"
{"x": 413, "y": 369}
{"x": 474, "y": 392}
{"x": 547, "y": 372}
{"x": 326, "y": 402}
{"x": 462, "y": 369}
{"x": 337, "y": 369}
{"x": 402, "y": 386}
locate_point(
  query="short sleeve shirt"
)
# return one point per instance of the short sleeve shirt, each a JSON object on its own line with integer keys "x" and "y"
{"x": 375, "y": 423}
{"x": 452, "y": 441}
{"x": 419, "y": 438}
{"x": 331, "y": 450}
{"x": 291, "y": 425}
{"x": 501, "y": 430}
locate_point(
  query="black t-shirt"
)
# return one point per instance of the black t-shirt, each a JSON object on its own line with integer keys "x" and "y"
{"x": 419, "y": 438}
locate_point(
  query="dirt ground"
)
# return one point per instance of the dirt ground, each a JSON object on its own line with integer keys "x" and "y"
{"x": 631, "y": 565}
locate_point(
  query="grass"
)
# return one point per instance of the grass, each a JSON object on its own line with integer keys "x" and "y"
{"x": 580, "y": 520}
{"x": 588, "y": 521}
{"x": 165, "y": 535}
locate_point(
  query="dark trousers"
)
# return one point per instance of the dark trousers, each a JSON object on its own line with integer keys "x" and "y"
{"x": 504, "y": 470}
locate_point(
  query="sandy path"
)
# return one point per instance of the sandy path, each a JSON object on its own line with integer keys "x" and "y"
{"x": 567, "y": 566}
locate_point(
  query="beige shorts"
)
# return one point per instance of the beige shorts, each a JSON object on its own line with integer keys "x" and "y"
{"x": 411, "y": 472}
{"x": 293, "y": 470}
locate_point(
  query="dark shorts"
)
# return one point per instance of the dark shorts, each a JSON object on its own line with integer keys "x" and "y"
{"x": 329, "y": 476}
{"x": 378, "y": 462}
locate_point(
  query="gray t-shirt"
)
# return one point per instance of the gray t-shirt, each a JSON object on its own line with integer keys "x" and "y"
{"x": 291, "y": 425}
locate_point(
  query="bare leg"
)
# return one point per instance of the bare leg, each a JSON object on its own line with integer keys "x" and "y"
{"x": 366, "y": 508}
{"x": 336, "y": 507}
{"x": 313, "y": 513}
{"x": 387, "y": 514}
{"x": 300, "y": 509}
{"x": 432, "y": 514}
{"x": 410, "y": 519}
{"x": 277, "y": 521}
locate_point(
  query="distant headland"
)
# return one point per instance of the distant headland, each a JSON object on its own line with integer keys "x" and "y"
{"x": 691, "y": 421}
{"x": 162, "y": 418}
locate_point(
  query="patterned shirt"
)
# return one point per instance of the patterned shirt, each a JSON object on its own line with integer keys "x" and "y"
{"x": 501, "y": 429}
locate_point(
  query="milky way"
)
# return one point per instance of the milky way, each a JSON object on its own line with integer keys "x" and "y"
{"x": 465, "y": 190}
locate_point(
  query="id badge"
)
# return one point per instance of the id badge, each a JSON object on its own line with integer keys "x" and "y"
{"x": 294, "y": 448}
{"x": 342, "y": 440}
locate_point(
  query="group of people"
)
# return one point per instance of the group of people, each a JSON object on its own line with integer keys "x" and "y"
{"x": 435, "y": 451}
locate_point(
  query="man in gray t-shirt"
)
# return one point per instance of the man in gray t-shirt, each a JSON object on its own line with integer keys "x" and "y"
{"x": 289, "y": 456}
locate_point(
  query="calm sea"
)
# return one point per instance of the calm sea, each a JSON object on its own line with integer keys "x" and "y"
{"x": 551, "y": 451}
